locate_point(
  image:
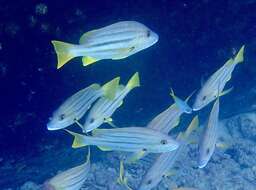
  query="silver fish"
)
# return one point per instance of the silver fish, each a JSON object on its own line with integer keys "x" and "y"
{"x": 116, "y": 41}
{"x": 165, "y": 161}
{"x": 210, "y": 136}
{"x": 77, "y": 105}
{"x": 163, "y": 122}
{"x": 130, "y": 139}
{"x": 71, "y": 179}
{"x": 103, "y": 109}
{"x": 217, "y": 81}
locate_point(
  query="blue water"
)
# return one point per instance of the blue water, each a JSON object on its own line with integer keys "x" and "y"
{"x": 195, "y": 39}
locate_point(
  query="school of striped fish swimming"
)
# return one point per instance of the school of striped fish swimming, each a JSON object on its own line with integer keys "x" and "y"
{"x": 94, "y": 105}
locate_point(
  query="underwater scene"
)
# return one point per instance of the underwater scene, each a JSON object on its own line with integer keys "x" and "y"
{"x": 128, "y": 95}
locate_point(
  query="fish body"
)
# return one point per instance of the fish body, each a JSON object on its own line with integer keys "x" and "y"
{"x": 210, "y": 136}
{"x": 165, "y": 161}
{"x": 71, "y": 179}
{"x": 181, "y": 104}
{"x": 103, "y": 109}
{"x": 130, "y": 139}
{"x": 116, "y": 41}
{"x": 77, "y": 105}
{"x": 217, "y": 81}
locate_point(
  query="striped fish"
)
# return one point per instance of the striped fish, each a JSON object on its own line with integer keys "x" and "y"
{"x": 116, "y": 41}
{"x": 77, "y": 105}
{"x": 217, "y": 81}
{"x": 71, "y": 179}
{"x": 163, "y": 122}
{"x": 103, "y": 109}
{"x": 210, "y": 136}
{"x": 165, "y": 161}
{"x": 129, "y": 139}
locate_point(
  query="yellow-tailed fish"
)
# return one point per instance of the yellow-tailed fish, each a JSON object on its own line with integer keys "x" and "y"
{"x": 182, "y": 105}
{"x": 122, "y": 180}
{"x": 103, "y": 109}
{"x": 165, "y": 161}
{"x": 209, "y": 90}
{"x": 129, "y": 139}
{"x": 163, "y": 122}
{"x": 209, "y": 137}
{"x": 116, "y": 41}
{"x": 71, "y": 179}
{"x": 73, "y": 109}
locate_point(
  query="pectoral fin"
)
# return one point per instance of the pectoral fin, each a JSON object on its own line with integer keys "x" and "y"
{"x": 226, "y": 91}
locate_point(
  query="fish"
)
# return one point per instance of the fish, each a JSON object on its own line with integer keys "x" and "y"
{"x": 71, "y": 179}
{"x": 209, "y": 90}
{"x": 116, "y": 41}
{"x": 182, "y": 105}
{"x": 163, "y": 122}
{"x": 209, "y": 137}
{"x": 165, "y": 161}
{"x": 122, "y": 180}
{"x": 103, "y": 109}
{"x": 73, "y": 109}
{"x": 127, "y": 139}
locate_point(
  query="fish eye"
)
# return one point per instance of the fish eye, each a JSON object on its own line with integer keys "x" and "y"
{"x": 144, "y": 149}
{"x": 149, "y": 182}
{"x": 62, "y": 116}
{"x": 163, "y": 141}
{"x": 204, "y": 97}
{"x": 207, "y": 151}
{"x": 148, "y": 33}
{"x": 92, "y": 120}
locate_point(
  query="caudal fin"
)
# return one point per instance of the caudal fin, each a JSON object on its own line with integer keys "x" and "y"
{"x": 134, "y": 81}
{"x": 79, "y": 140}
{"x": 62, "y": 50}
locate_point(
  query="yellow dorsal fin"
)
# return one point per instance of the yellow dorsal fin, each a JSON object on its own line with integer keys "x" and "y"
{"x": 134, "y": 81}
{"x": 88, "y": 60}
{"x": 192, "y": 126}
{"x": 239, "y": 56}
{"x": 110, "y": 88}
{"x": 83, "y": 38}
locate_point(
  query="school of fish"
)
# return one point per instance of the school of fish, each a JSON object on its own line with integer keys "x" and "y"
{"x": 95, "y": 105}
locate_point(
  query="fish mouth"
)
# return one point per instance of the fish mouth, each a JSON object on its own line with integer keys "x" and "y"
{"x": 202, "y": 164}
{"x": 196, "y": 108}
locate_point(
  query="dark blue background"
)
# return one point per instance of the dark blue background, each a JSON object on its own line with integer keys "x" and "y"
{"x": 195, "y": 39}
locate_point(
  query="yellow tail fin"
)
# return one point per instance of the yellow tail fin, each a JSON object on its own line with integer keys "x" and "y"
{"x": 239, "y": 56}
{"x": 134, "y": 81}
{"x": 78, "y": 139}
{"x": 62, "y": 50}
{"x": 109, "y": 89}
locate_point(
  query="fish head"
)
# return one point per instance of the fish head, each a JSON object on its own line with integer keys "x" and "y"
{"x": 150, "y": 181}
{"x": 59, "y": 120}
{"x": 168, "y": 144}
{"x": 144, "y": 39}
{"x": 203, "y": 98}
{"x": 92, "y": 122}
{"x": 205, "y": 153}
